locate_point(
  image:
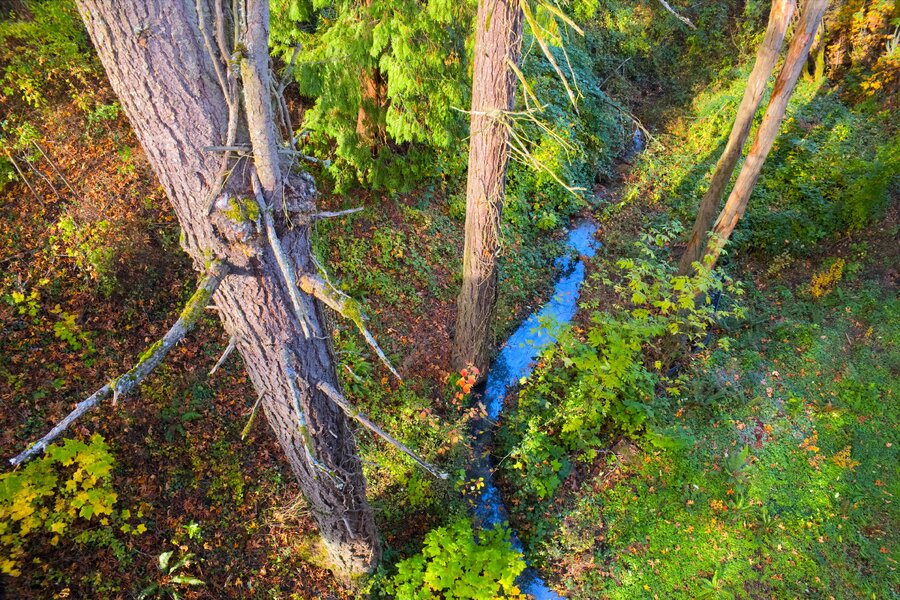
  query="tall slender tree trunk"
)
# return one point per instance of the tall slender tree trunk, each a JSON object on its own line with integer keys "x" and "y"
{"x": 794, "y": 62}
{"x": 498, "y": 42}
{"x": 164, "y": 64}
{"x": 766, "y": 57}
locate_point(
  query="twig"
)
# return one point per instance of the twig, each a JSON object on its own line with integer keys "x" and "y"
{"x": 44, "y": 177}
{"x": 232, "y": 343}
{"x": 58, "y": 173}
{"x": 347, "y": 307}
{"x": 684, "y": 20}
{"x": 338, "y": 399}
{"x": 295, "y": 397}
{"x": 148, "y": 361}
{"x": 287, "y": 272}
{"x": 326, "y": 214}
{"x": 286, "y": 76}
{"x": 25, "y": 179}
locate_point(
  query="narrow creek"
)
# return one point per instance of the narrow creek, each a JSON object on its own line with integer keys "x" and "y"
{"x": 516, "y": 361}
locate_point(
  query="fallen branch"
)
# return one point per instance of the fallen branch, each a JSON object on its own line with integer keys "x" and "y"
{"x": 232, "y": 343}
{"x": 684, "y": 20}
{"x": 149, "y": 360}
{"x": 287, "y": 272}
{"x": 58, "y": 172}
{"x": 246, "y": 430}
{"x": 345, "y": 306}
{"x": 338, "y": 399}
{"x": 25, "y": 179}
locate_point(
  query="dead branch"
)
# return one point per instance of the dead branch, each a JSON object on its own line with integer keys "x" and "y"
{"x": 338, "y": 399}
{"x": 684, "y": 20}
{"x": 232, "y": 343}
{"x": 44, "y": 177}
{"x": 287, "y": 272}
{"x": 295, "y": 396}
{"x": 56, "y": 170}
{"x": 333, "y": 214}
{"x": 345, "y": 306}
{"x": 149, "y": 360}
{"x": 25, "y": 179}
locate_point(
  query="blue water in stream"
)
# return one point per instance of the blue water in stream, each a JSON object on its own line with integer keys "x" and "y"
{"x": 516, "y": 361}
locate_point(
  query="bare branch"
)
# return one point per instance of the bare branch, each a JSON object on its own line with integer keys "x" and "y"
{"x": 286, "y": 76}
{"x": 53, "y": 165}
{"x": 684, "y": 20}
{"x": 232, "y": 343}
{"x": 345, "y": 306}
{"x": 333, "y": 214}
{"x": 25, "y": 179}
{"x": 149, "y": 360}
{"x": 287, "y": 272}
{"x": 338, "y": 399}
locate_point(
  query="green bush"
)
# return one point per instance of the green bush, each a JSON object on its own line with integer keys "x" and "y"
{"x": 457, "y": 563}
{"x": 46, "y": 55}
{"x": 606, "y": 378}
{"x": 70, "y": 482}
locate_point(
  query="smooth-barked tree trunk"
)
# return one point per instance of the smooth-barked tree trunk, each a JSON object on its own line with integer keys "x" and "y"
{"x": 168, "y": 76}
{"x": 498, "y": 42}
{"x": 766, "y": 57}
{"x": 798, "y": 51}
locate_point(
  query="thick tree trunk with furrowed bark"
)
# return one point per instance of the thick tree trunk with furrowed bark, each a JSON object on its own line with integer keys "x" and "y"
{"x": 798, "y": 51}
{"x": 498, "y": 42}
{"x": 779, "y": 19}
{"x": 168, "y": 78}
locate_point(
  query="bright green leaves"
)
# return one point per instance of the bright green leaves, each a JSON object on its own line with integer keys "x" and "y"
{"x": 71, "y": 481}
{"x": 455, "y": 562}
{"x": 405, "y": 67}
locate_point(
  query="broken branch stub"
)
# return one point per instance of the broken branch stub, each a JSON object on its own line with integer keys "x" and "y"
{"x": 347, "y": 307}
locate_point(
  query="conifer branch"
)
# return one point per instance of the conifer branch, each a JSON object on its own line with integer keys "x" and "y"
{"x": 149, "y": 360}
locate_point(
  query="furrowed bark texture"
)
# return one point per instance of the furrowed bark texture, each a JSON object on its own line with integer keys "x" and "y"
{"x": 498, "y": 42}
{"x": 794, "y": 62}
{"x": 162, "y": 72}
{"x": 779, "y": 19}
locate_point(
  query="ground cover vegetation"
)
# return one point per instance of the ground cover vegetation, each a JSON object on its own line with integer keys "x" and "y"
{"x": 739, "y": 446}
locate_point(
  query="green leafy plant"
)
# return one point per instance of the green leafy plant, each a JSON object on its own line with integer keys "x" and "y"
{"x": 173, "y": 578}
{"x": 71, "y": 482}
{"x": 455, "y": 562}
{"x": 67, "y": 330}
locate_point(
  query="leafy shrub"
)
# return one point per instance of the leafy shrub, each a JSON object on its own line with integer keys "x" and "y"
{"x": 91, "y": 247}
{"x": 71, "y": 481}
{"x": 605, "y": 379}
{"x": 457, "y": 563}
{"x": 45, "y": 55}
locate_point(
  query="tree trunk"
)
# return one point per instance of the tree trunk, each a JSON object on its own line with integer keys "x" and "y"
{"x": 779, "y": 19}
{"x": 370, "y": 126}
{"x": 167, "y": 75}
{"x": 798, "y": 51}
{"x": 498, "y": 41}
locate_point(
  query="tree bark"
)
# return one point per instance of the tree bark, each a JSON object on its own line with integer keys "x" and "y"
{"x": 498, "y": 42}
{"x": 168, "y": 78}
{"x": 779, "y": 19}
{"x": 794, "y": 62}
